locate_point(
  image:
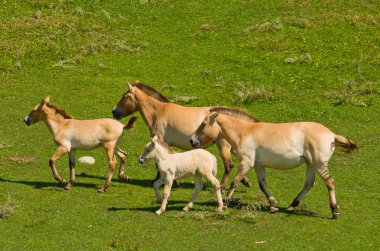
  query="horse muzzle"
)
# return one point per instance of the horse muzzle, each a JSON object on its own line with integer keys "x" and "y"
{"x": 195, "y": 143}
{"x": 116, "y": 113}
{"x": 27, "y": 121}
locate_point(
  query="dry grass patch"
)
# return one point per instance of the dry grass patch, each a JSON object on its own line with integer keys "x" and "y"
{"x": 8, "y": 209}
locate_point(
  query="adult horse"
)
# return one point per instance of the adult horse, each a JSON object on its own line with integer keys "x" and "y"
{"x": 281, "y": 146}
{"x": 172, "y": 123}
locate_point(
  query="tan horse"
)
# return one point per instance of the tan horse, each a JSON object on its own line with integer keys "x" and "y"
{"x": 281, "y": 146}
{"x": 171, "y": 165}
{"x": 173, "y": 123}
{"x": 71, "y": 135}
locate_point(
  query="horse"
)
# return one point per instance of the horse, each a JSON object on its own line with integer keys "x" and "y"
{"x": 173, "y": 123}
{"x": 281, "y": 146}
{"x": 171, "y": 165}
{"x": 70, "y": 135}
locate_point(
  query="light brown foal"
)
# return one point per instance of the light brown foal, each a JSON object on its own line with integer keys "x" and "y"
{"x": 71, "y": 135}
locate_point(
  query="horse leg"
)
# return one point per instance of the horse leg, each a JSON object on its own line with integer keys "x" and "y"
{"x": 330, "y": 184}
{"x": 122, "y": 155}
{"x": 157, "y": 176}
{"x": 225, "y": 152}
{"x": 244, "y": 167}
{"x": 260, "y": 172}
{"x": 197, "y": 189}
{"x": 168, "y": 185}
{"x": 72, "y": 170}
{"x": 60, "y": 151}
{"x": 156, "y": 186}
{"x": 215, "y": 183}
{"x": 309, "y": 183}
{"x": 109, "y": 147}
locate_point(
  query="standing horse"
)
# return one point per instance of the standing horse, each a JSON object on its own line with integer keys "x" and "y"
{"x": 71, "y": 135}
{"x": 282, "y": 146}
{"x": 173, "y": 123}
{"x": 198, "y": 163}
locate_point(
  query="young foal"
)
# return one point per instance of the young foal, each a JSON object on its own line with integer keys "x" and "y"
{"x": 70, "y": 135}
{"x": 282, "y": 146}
{"x": 198, "y": 163}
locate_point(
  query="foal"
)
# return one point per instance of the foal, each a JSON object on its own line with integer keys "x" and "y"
{"x": 71, "y": 134}
{"x": 281, "y": 146}
{"x": 198, "y": 163}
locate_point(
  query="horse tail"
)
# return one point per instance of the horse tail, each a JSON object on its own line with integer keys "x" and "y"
{"x": 130, "y": 124}
{"x": 347, "y": 144}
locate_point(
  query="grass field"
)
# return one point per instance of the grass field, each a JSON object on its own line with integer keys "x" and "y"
{"x": 278, "y": 60}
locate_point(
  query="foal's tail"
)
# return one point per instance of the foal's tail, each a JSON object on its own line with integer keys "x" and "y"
{"x": 130, "y": 124}
{"x": 347, "y": 144}
{"x": 215, "y": 167}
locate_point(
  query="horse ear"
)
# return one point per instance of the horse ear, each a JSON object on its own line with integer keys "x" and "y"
{"x": 213, "y": 117}
{"x": 46, "y": 100}
{"x": 131, "y": 88}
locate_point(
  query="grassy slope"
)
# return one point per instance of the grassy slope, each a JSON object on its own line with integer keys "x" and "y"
{"x": 215, "y": 52}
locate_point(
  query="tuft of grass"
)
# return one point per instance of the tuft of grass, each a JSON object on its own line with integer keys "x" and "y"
{"x": 269, "y": 26}
{"x": 247, "y": 94}
{"x": 8, "y": 209}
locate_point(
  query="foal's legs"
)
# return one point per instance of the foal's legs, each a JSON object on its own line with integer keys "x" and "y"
{"x": 330, "y": 184}
{"x": 110, "y": 148}
{"x": 260, "y": 172}
{"x": 122, "y": 155}
{"x": 60, "y": 151}
{"x": 156, "y": 186}
{"x": 215, "y": 183}
{"x": 72, "y": 170}
{"x": 309, "y": 183}
{"x": 168, "y": 186}
{"x": 197, "y": 189}
{"x": 225, "y": 152}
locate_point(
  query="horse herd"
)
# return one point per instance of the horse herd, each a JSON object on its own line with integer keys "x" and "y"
{"x": 256, "y": 144}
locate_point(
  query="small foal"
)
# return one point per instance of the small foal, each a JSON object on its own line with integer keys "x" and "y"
{"x": 198, "y": 163}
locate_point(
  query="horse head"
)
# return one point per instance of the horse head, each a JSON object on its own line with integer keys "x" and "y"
{"x": 199, "y": 136}
{"x": 37, "y": 114}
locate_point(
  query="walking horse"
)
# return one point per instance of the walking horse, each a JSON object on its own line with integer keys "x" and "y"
{"x": 281, "y": 146}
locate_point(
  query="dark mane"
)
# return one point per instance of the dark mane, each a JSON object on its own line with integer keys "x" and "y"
{"x": 60, "y": 111}
{"x": 151, "y": 92}
{"x": 234, "y": 112}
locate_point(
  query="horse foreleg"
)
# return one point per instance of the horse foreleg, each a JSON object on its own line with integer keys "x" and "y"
{"x": 197, "y": 189}
{"x": 239, "y": 176}
{"x": 72, "y": 170}
{"x": 122, "y": 155}
{"x": 166, "y": 194}
{"x": 309, "y": 183}
{"x": 156, "y": 186}
{"x": 109, "y": 147}
{"x": 330, "y": 184}
{"x": 260, "y": 172}
{"x": 225, "y": 152}
{"x": 60, "y": 151}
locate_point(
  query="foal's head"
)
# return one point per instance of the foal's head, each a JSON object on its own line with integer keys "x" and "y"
{"x": 198, "y": 136}
{"x": 149, "y": 151}
{"x": 40, "y": 111}
{"x": 128, "y": 103}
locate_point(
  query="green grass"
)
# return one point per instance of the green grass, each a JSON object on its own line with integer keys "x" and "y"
{"x": 278, "y": 60}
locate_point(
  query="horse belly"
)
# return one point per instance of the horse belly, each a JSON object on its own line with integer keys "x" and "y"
{"x": 286, "y": 160}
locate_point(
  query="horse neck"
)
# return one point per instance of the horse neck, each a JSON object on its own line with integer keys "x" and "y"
{"x": 53, "y": 121}
{"x": 231, "y": 128}
{"x": 148, "y": 107}
{"x": 161, "y": 152}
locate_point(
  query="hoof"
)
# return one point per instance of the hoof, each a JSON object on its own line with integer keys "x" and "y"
{"x": 68, "y": 186}
{"x": 220, "y": 209}
{"x": 335, "y": 216}
{"x": 125, "y": 178}
{"x": 158, "y": 212}
{"x": 186, "y": 209}
{"x": 273, "y": 210}
{"x": 291, "y": 209}
{"x": 101, "y": 190}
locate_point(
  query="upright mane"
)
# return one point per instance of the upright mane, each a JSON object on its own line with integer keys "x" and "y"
{"x": 151, "y": 92}
{"x": 234, "y": 112}
{"x": 166, "y": 146}
{"x": 60, "y": 111}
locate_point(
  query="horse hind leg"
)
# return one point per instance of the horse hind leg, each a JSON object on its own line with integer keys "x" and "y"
{"x": 261, "y": 177}
{"x": 330, "y": 184}
{"x": 197, "y": 189}
{"x": 217, "y": 190}
{"x": 309, "y": 183}
{"x": 122, "y": 155}
{"x": 109, "y": 147}
{"x": 72, "y": 170}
